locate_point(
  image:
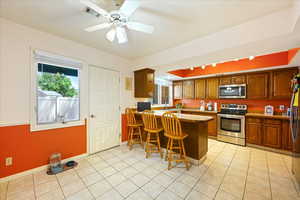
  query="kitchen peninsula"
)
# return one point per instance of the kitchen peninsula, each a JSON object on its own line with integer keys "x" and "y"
{"x": 196, "y": 144}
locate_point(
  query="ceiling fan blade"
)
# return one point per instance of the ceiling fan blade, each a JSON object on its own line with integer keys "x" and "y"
{"x": 140, "y": 27}
{"x": 129, "y": 6}
{"x": 98, "y": 27}
{"x": 95, "y": 7}
{"x": 110, "y": 35}
{"x": 121, "y": 35}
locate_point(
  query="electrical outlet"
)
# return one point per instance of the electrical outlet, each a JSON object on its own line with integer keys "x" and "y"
{"x": 281, "y": 107}
{"x": 8, "y": 161}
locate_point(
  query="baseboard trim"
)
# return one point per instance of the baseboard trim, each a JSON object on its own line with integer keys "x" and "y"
{"x": 37, "y": 169}
{"x": 269, "y": 149}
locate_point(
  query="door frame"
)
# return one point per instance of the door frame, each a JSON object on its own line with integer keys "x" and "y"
{"x": 88, "y": 131}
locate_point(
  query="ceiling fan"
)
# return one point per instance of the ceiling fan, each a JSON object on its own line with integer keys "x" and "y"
{"x": 118, "y": 20}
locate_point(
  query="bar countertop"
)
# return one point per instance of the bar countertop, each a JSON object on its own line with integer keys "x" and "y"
{"x": 184, "y": 117}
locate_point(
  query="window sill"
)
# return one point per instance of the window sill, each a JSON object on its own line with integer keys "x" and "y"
{"x": 34, "y": 128}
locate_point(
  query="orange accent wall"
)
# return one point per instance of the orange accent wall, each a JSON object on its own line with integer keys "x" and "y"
{"x": 32, "y": 149}
{"x": 124, "y": 128}
{"x": 270, "y": 60}
{"x": 253, "y": 105}
{"x": 292, "y": 53}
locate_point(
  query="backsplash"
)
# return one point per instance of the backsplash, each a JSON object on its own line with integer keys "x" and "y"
{"x": 256, "y": 106}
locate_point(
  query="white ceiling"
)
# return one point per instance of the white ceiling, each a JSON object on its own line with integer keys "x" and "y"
{"x": 175, "y": 21}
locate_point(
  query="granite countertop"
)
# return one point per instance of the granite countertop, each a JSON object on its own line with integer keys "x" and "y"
{"x": 267, "y": 116}
{"x": 185, "y": 117}
{"x": 192, "y": 110}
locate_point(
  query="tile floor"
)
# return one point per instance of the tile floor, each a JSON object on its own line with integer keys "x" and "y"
{"x": 229, "y": 172}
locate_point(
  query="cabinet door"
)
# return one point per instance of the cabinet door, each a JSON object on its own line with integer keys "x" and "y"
{"x": 254, "y": 132}
{"x": 177, "y": 88}
{"x": 225, "y": 80}
{"x": 212, "y": 86}
{"x": 200, "y": 86}
{"x": 272, "y": 135}
{"x": 144, "y": 83}
{"x": 212, "y": 126}
{"x": 257, "y": 86}
{"x": 280, "y": 84}
{"x": 241, "y": 79}
{"x": 287, "y": 142}
{"x": 188, "y": 89}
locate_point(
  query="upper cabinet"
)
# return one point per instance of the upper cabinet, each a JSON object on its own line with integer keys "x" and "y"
{"x": 257, "y": 86}
{"x": 177, "y": 89}
{"x": 281, "y": 83}
{"x": 200, "y": 88}
{"x": 212, "y": 87}
{"x": 144, "y": 83}
{"x": 188, "y": 89}
{"x": 236, "y": 79}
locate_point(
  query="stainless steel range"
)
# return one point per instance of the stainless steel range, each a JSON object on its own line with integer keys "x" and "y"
{"x": 231, "y": 123}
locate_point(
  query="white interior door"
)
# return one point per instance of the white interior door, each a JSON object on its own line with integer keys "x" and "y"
{"x": 104, "y": 104}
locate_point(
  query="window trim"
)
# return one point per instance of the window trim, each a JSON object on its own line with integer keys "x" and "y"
{"x": 34, "y": 126}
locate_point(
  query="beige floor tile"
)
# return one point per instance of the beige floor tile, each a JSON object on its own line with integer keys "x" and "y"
{"x": 126, "y": 188}
{"x": 68, "y": 179}
{"x": 43, "y": 177}
{"x": 207, "y": 189}
{"x": 72, "y": 188}
{"x": 85, "y": 171}
{"x": 222, "y": 195}
{"x": 56, "y": 194}
{"x": 107, "y": 171}
{"x": 153, "y": 188}
{"x": 187, "y": 179}
{"x": 110, "y": 195}
{"x": 43, "y": 188}
{"x": 255, "y": 196}
{"x": 99, "y": 188}
{"x": 81, "y": 195}
{"x": 138, "y": 195}
{"x": 180, "y": 189}
{"x": 92, "y": 178}
{"x": 129, "y": 172}
{"x": 140, "y": 179}
{"x": 168, "y": 195}
{"x": 195, "y": 195}
{"x": 116, "y": 179}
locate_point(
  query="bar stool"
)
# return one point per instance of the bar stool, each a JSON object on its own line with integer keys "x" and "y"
{"x": 173, "y": 132}
{"x": 152, "y": 130}
{"x": 133, "y": 136}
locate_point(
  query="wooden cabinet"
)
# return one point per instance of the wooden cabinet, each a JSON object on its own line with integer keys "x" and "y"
{"x": 225, "y": 80}
{"x": 272, "y": 134}
{"x": 287, "y": 142}
{"x": 269, "y": 132}
{"x": 254, "y": 130}
{"x": 237, "y": 79}
{"x": 240, "y": 79}
{"x": 188, "y": 89}
{"x": 280, "y": 83}
{"x": 177, "y": 89}
{"x": 144, "y": 83}
{"x": 211, "y": 126}
{"x": 200, "y": 88}
{"x": 212, "y": 86}
{"x": 257, "y": 86}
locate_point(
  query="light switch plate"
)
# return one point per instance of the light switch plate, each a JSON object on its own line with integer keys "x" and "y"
{"x": 281, "y": 107}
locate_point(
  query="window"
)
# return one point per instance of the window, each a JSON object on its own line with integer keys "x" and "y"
{"x": 162, "y": 93}
{"x": 56, "y": 91}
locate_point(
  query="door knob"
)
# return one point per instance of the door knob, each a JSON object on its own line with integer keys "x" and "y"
{"x": 93, "y": 116}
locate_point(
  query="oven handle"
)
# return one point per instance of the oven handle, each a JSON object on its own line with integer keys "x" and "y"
{"x": 232, "y": 116}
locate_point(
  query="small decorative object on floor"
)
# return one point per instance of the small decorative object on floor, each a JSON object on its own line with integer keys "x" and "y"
{"x": 56, "y": 166}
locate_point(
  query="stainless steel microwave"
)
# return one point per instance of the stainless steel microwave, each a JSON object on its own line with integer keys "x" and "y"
{"x": 237, "y": 91}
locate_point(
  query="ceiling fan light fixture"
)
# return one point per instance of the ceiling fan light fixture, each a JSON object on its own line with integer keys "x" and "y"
{"x": 214, "y": 64}
{"x": 203, "y": 66}
{"x": 110, "y": 35}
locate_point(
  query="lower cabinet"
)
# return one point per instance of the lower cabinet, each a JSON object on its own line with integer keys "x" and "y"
{"x": 254, "y": 132}
{"x": 272, "y": 135}
{"x": 267, "y": 132}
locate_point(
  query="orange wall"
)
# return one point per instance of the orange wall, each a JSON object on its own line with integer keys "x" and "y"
{"x": 271, "y": 60}
{"x": 32, "y": 149}
{"x": 253, "y": 105}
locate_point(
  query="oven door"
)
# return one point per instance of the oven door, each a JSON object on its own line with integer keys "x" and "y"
{"x": 231, "y": 125}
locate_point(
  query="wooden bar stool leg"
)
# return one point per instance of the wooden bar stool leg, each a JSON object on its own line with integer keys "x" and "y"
{"x": 131, "y": 138}
{"x": 168, "y": 146}
{"x": 147, "y": 145}
{"x": 141, "y": 139}
{"x": 170, "y": 157}
{"x": 184, "y": 156}
{"x": 158, "y": 145}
